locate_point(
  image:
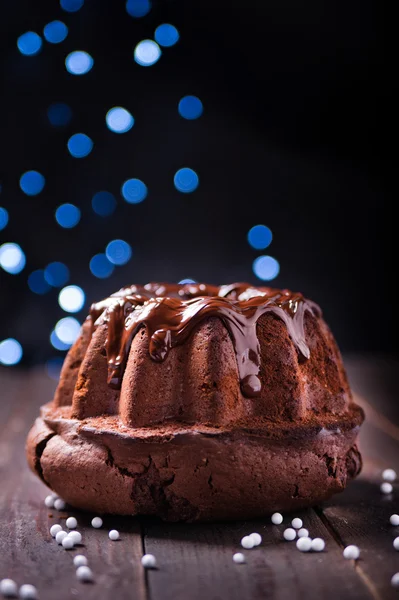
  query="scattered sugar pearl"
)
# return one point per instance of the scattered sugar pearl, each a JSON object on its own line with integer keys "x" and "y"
{"x": 289, "y": 534}
{"x": 386, "y": 488}
{"x": 395, "y": 580}
{"x": 59, "y": 504}
{"x": 54, "y": 529}
{"x": 394, "y": 520}
{"x": 149, "y": 561}
{"x": 247, "y": 542}
{"x": 318, "y": 545}
{"x": 304, "y": 544}
{"x": 303, "y": 532}
{"x": 297, "y": 523}
{"x": 277, "y": 518}
{"x": 80, "y": 560}
{"x": 239, "y": 558}
{"x": 49, "y": 501}
{"x": 68, "y": 543}
{"x": 256, "y": 538}
{"x": 396, "y": 543}
{"x": 114, "y": 535}
{"x": 8, "y": 588}
{"x": 71, "y": 523}
{"x": 351, "y": 553}
{"x": 61, "y": 535}
{"x": 389, "y": 475}
{"x": 84, "y": 573}
{"x": 76, "y": 536}
{"x": 97, "y": 522}
{"x": 28, "y": 592}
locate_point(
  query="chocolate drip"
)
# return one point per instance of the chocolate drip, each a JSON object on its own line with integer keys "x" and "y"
{"x": 171, "y": 312}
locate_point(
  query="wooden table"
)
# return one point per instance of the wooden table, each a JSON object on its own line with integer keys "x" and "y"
{"x": 195, "y": 561}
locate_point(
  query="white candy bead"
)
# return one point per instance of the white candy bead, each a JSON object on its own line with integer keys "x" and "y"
{"x": 84, "y": 573}
{"x": 303, "y": 532}
{"x": 71, "y": 523}
{"x": 389, "y": 475}
{"x": 394, "y": 520}
{"x": 8, "y": 588}
{"x": 97, "y": 522}
{"x": 239, "y": 558}
{"x": 304, "y": 544}
{"x": 396, "y": 543}
{"x": 61, "y": 535}
{"x": 277, "y": 518}
{"x": 68, "y": 543}
{"x": 318, "y": 545}
{"x": 59, "y": 504}
{"x": 395, "y": 580}
{"x": 247, "y": 542}
{"x": 28, "y": 592}
{"x": 149, "y": 561}
{"x": 386, "y": 488}
{"x": 297, "y": 523}
{"x": 49, "y": 501}
{"x": 289, "y": 534}
{"x": 113, "y": 535}
{"x": 256, "y": 538}
{"x": 351, "y": 553}
{"x": 80, "y": 560}
{"x": 76, "y": 536}
{"x": 54, "y": 529}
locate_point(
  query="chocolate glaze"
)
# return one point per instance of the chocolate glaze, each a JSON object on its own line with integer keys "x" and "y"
{"x": 170, "y": 312}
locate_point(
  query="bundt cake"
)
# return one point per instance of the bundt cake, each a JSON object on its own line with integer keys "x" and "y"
{"x": 197, "y": 402}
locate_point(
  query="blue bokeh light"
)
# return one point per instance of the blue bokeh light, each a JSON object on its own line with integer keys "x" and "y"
{"x": 12, "y": 258}
{"x": 56, "y": 342}
{"x": 29, "y": 43}
{"x": 101, "y": 267}
{"x": 32, "y": 183}
{"x": 138, "y": 8}
{"x": 147, "y": 53}
{"x": 190, "y": 107}
{"x": 55, "y": 32}
{"x": 3, "y": 218}
{"x": 166, "y": 35}
{"x": 10, "y": 352}
{"x": 71, "y": 298}
{"x": 78, "y": 62}
{"x": 53, "y": 367}
{"x": 67, "y": 330}
{"x": 266, "y": 268}
{"x": 103, "y": 203}
{"x": 37, "y": 282}
{"x": 119, "y": 120}
{"x": 186, "y": 180}
{"x": 183, "y": 281}
{"x": 80, "y": 145}
{"x": 59, "y": 114}
{"x": 71, "y": 5}
{"x": 260, "y": 237}
{"x": 56, "y": 274}
{"x": 118, "y": 252}
{"x": 67, "y": 215}
{"x": 134, "y": 191}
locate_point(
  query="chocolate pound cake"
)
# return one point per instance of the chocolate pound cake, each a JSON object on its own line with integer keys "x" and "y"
{"x": 197, "y": 402}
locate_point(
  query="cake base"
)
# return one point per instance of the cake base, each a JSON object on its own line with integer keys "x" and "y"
{"x": 188, "y": 473}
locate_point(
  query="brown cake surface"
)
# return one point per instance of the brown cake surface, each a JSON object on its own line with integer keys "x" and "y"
{"x": 199, "y": 402}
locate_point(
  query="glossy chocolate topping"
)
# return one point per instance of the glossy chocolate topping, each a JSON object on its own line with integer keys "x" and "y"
{"x": 171, "y": 311}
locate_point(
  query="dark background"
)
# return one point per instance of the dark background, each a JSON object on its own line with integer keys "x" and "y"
{"x": 296, "y": 116}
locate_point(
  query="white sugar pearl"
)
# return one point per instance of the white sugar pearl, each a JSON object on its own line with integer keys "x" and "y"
{"x": 8, "y": 588}
{"x": 113, "y": 535}
{"x": 28, "y": 592}
{"x": 49, "y": 501}
{"x": 318, "y": 545}
{"x": 68, "y": 543}
{"x": 80, "y": 560}
{"x": 351, "y": 553}
{"x": 256, "y": 538}
{"x": 304, "y": 544}
{"x": 149, "y": 561}
{"x": 389, "y": 475}
{"x": 277, "y": 518}
{"x": 84, "y": 573}
{"x": 76, "y": 536}
{"x": 247, "y": 542}
{"x": 297, "y": 523}
{"x": 394, "y": 520}
{"x": 61, "y": 535}
{"x": 71, "y": 523}
{"x": 97, "y": 522}
{"x": 386, "y": 488}
{"x": 395, "y": 580}
{"x": 239, "y": 558}
{"x": 289, "y": 534}
{"x": 54, "y": 529}
{"x": 303, "y": 532}
{"x": 396, "y": 543}
{"x": 59, "y": 504}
